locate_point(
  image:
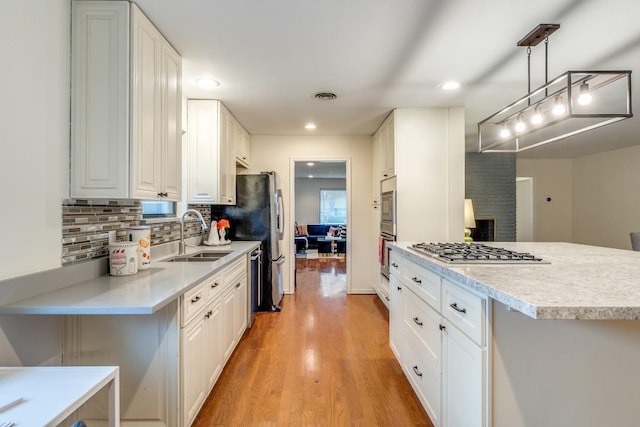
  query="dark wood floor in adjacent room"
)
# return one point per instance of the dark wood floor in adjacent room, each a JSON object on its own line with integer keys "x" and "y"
{"x": 323, "y": 361}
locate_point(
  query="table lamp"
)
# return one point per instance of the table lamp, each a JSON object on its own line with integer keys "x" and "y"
{"x": 469, "y": 220}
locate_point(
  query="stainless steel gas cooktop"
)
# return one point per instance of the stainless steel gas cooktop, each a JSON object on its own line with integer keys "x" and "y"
{"x": 474, "y": 253}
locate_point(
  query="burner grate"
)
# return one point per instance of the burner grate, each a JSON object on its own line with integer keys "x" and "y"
{"x": 459, "y": 253}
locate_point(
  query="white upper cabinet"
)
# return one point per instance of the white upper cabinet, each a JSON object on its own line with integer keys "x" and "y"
{"x": 384, "y": 150}
{"x": 243, "y": 146}
{"x": 213, "y": 137}
{"x": 126, "y": 105}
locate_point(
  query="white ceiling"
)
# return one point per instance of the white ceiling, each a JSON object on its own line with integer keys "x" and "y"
{"x": 376, "y": 55}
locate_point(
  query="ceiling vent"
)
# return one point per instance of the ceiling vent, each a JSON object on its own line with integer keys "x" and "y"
{"x": 325, "y": 96}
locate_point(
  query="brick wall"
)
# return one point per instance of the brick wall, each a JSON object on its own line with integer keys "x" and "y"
{"x": 490, "y": 181}
{"x": 86, "y": 224}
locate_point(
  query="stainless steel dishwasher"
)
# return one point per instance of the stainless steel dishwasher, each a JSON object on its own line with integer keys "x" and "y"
{"x": 255, "y": 277}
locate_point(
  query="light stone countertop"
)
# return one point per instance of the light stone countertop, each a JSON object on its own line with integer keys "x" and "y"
{"x": 143, "y": 293}
{"x": 580, "y": 281}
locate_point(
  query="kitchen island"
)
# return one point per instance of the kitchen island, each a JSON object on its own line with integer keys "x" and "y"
{"x": 551, "y": 344}
{"x": 170, "y": 329}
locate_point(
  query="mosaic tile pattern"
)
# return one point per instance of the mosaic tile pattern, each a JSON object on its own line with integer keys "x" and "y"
{"x": 86, "y": 224}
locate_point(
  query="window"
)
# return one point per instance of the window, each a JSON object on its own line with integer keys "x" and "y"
{"x": 158, "y": 209}
{"x": 333, "y": 206}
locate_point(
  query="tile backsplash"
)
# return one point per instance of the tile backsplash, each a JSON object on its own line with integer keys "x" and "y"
{"x": 86, "y": 224}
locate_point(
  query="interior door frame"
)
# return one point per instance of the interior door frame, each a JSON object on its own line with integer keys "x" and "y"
{"x": 292, "y": 212}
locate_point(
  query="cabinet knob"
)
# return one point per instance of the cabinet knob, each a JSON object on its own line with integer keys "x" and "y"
{"x": 442, "y": 327}
{"x": 399, "y": 288}
{"x": 238, "y": 285}
{"x": 387, "y": 298}
{"x": 458, "y": 309}
{"x": 394, "y": 265}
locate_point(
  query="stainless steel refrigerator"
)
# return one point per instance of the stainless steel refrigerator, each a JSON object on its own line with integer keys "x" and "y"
{"x": 259, "y": 215}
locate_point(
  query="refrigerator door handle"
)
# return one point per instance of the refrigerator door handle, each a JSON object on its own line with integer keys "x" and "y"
{"x": 280, "y": 214}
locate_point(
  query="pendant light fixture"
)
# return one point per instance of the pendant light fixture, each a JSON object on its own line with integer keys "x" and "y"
{"x": 572, "y": 103}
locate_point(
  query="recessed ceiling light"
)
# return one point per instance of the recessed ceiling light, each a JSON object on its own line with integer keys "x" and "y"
{"x": 310, "y": 126}
{"x": 310, "y": 176}
{"x": 207, "y": 83}
{"x": 310, "y": 163}
{"x": 450, "y": 85}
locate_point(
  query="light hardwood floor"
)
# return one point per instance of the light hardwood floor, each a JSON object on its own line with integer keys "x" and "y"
{"x": 324, "y": 360}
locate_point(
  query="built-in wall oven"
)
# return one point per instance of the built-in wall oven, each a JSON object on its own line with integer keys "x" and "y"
{"x": 384, "y": 264}
{"x": 388, "y": 212}
{"x": 387, "y": 227}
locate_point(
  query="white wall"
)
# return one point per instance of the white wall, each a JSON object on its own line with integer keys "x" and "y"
{"x": 308, "y": 197}
{"x": 274, "y": 152}
{"x": 606, "y": 198}
{"x": 551, "y": 178}
{"x": 34, "y": 161}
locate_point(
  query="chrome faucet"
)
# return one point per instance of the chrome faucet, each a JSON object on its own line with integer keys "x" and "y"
{"x": 181, "y": 245}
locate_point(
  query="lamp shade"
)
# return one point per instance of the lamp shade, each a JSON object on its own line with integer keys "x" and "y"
{"x": 469, "y": 217}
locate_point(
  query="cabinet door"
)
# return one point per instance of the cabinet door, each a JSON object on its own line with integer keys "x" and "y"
{"x": 389, "y": 148}
{"x": 227, "y": 152}
{"x": 463, "y": 377}
{"x": 241, "y": 305}
{"x": 228, "y": 316}
{"x": 377, "y": 168}
{"x": 242, "y": 146}
{"x": 100, "y": 100}
{"x": 172, "y": 123}
{"x": 146, "y": 107}
{"x": 213, "y": 355}
{"x": 193, "y": 371}
{"x": 396, "y": 310}
{"x": 203, "y": 122}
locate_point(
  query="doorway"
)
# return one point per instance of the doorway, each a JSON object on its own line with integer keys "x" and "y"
{"x": 320, "y": 212}
{"x": 524, "y": 209}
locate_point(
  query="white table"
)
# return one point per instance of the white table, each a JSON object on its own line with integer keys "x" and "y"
{"x": 50, "y": 394}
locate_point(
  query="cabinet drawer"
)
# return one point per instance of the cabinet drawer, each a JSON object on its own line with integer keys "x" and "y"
{"x": 465, "y": 310}
{"x": 193, "y": 301}
{"x": 214, "y": 287}
{"x": 425, "y": 379}
{"x": 395, "y": 263}
{"x": 235, "y": 270}
{"x": 425, "y": 283}
{"x": 424, "y": 321}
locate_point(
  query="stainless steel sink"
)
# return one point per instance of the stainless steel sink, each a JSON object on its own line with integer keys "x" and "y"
{"x": 199, "y": 257}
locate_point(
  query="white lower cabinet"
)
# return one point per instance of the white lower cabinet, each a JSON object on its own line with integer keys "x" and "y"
{"x": 396, "y": 310}
{"x": 210, "y": 336}
{"x": 438, "y": 331}
{"x": 464, "y": 374}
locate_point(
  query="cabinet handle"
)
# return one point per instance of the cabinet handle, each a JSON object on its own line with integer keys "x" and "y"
{"x": 418, "y": 373}
{"x": 458, "y": 309}
{"x": 195, "y": 299}
{"x": 384, "y": 174}
{"x": 229, "y": 200}
{"x": 399, "y": 288}
{"x": 442, "y": 327}
{"x": 415, "y": 279}
{"x": 207, "y": 315}
{"x": 394, "y": 265}
{"x": 387, "y": 298}
{"x": 417, "y": 321}
{"x": 215, "y": 285}
{"x": 238, "y": 285}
